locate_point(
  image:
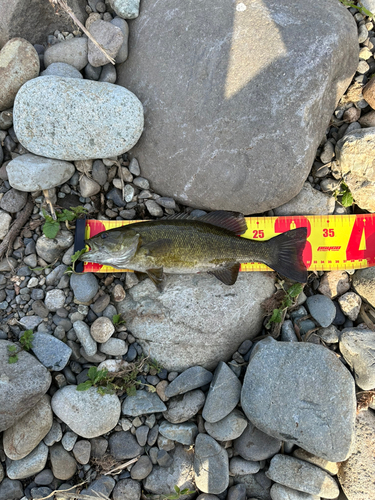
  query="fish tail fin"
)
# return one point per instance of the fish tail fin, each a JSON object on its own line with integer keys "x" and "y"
{"x": 286, "y": 250}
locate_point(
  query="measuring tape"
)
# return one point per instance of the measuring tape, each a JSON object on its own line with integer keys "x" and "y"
{"x": 334, "y": 242}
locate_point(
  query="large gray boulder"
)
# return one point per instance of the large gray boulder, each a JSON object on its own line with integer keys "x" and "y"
{"x": 35, "y": 20}
{"x": 235, "y": 112}
{"x": 316, "y": 410}
{"x": 23, "y": 385}
{"x": 196, "y": 320}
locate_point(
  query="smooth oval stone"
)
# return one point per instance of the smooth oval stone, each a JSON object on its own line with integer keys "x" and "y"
{"x": 95, "y": 119}
{"x": 19, "y": 62}
{"x": 31, "y": 173}
{"x": 61, "y": 69}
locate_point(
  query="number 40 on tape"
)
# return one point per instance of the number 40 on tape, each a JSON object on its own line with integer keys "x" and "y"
{"x": 334, "y": 242}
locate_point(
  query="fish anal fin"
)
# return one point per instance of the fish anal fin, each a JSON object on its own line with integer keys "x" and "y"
{"x": 232, "y": 221}
{"x": 227, "y": 274}
{"x": 156, "y": 275}
{"x": 158, "y": 247}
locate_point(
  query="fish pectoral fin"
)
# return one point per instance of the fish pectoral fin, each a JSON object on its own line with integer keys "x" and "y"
{"x": 156, "y": 276}
{"x": 158, "y": 247}
{"x": 227, "y": 274}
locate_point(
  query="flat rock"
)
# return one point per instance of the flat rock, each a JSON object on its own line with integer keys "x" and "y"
{"x": 123, "y": 445}
{"x": 61, "y": 69}
{"x": 355, "y": 155}
{"x": 87, "y": 413}
{"x": 32, "y": 173}
{"x": 102, "y": 486}
{"x": 34, "y": 21}
{"x": 62, "y": 463}
{"x": 19, "y": 63}
{"x": 84, "y": 286}
{"x": 190, "y": 379}
{"x": 51, "y": 352}
{"x": 230, "y": 427}
{"x": 302, "y": 476}
{"x": 30, "y": 465}
{"x": 23, "y": 385}
{"x": 239, "y": 466}
{"x": 142, "y": 403}
{"x": 51, "y": 249}
{"x": 184, "y": 407}
{"x": 308, "y": 201}
{"x": 322, "y": 309}
{"x": 356, "y": 475}
{"x": 319, "y": 417}
{"x": 73, "y": 52}
{"x": 280, "y": 492}
{"x": 184, "y": 433}
{"x": 357, "y": 345}
{"x": 255, "y": 445}
{"x": 109, "y": 36}
{"x": 162, "y": 480}
{"x": 57, "y": 99}
{"x": 330, "y": 467}
{"x": 244, "y": 83}
{"x": 364, "y": 284}
{"x": 210, "y": 465}
{"x": 223, "y": 395}
{"x": 186, "y": 332}
{"x": 25, "y": 435}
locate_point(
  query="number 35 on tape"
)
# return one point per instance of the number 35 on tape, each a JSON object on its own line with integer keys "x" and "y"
{"x": 334, "y": 242}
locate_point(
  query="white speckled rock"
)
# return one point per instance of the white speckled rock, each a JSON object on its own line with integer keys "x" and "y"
{"x": 31, "y": 173}
{"x": 127, "y": 9}
{"x": 87, "y": 413}
{"x": 102, "y": 329}
{"x": 19, "y": 62}
{"x": 75, "y": 106}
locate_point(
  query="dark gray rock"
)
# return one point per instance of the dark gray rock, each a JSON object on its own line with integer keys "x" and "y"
{"x": 257, "y": 485}
{"x": 84, "y": 286}
{"x": 322, "y": 309}
{"x": 244, "y": 84}
{"x": 186, "y": 332}
{"x": 13, "y": 201}
{"x": 23, "y": 385}
{"x": 141, "y": 433}
{"x": 162, "y": 480}
{"x": 123, "y": 445}
{"x": 62, "y": 463}
{"x": 210, "y": 465}
{"x": 141, "y": 469}
{"x": 35, "y": 21}
{"x": 254, "y": 444}
{"x": 184, "y": 433}
{"x": 230, "y": 427}
{"x": 357, "y": 345}
{"x": 102, "y": 486}
{"x": 223, "y": 395}
{"x": 302, "y": 476}
{"x": 11, "y": 489}
{"x": 50, "y": 351}
{"x": 183, "y": 408}
{"x": 237, "y": 492}
{"x": 127, "y": 489}
{"x": 30, "y": 465}
{"x": 190, "y": 379}
{"x": 319, "y": 417}
{"x": 142, "y": 403}
{"x": 119, "y": 127}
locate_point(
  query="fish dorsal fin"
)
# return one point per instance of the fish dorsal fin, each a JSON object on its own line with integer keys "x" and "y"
{"x": 182, "y": 215}
{"x": 156, "y": 276}
{"x": 233, "y": 221}
{"x": 227, "y": 274}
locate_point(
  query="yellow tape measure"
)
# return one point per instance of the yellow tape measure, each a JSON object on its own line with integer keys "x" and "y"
{"x": 334, "y": 242}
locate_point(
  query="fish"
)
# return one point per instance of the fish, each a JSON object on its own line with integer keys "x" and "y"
{"x": 182, "y": 244}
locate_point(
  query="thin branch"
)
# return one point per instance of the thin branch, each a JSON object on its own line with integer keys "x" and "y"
{"x": 117, "y": 469}
{"x": 68, "y": 10}
{"x": 16, "y": 227}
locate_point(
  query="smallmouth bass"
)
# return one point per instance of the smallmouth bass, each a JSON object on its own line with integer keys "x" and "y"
{"x": 187, "y": 245}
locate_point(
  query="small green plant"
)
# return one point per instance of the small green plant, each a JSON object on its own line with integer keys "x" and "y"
{"x": 117, "y": 319}
{"x": 26, "y": 341}
{"x": 124, "y": 381}
{"x": 51, "y": 227}
{"x": 74, "y": 258}
{"x": 346, "y": 197}
{"x": 360, "y": 8}
{"x": 179, "y": 493}
{"x": 288, "y": 300}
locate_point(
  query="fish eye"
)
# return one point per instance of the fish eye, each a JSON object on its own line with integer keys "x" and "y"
{"x": 104, "y": 235}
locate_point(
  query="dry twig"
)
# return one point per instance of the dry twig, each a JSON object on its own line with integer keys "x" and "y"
{"x": 68, "y": 10}
{"x": 16, "y": 227}
{"x": 70, "y": 495}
